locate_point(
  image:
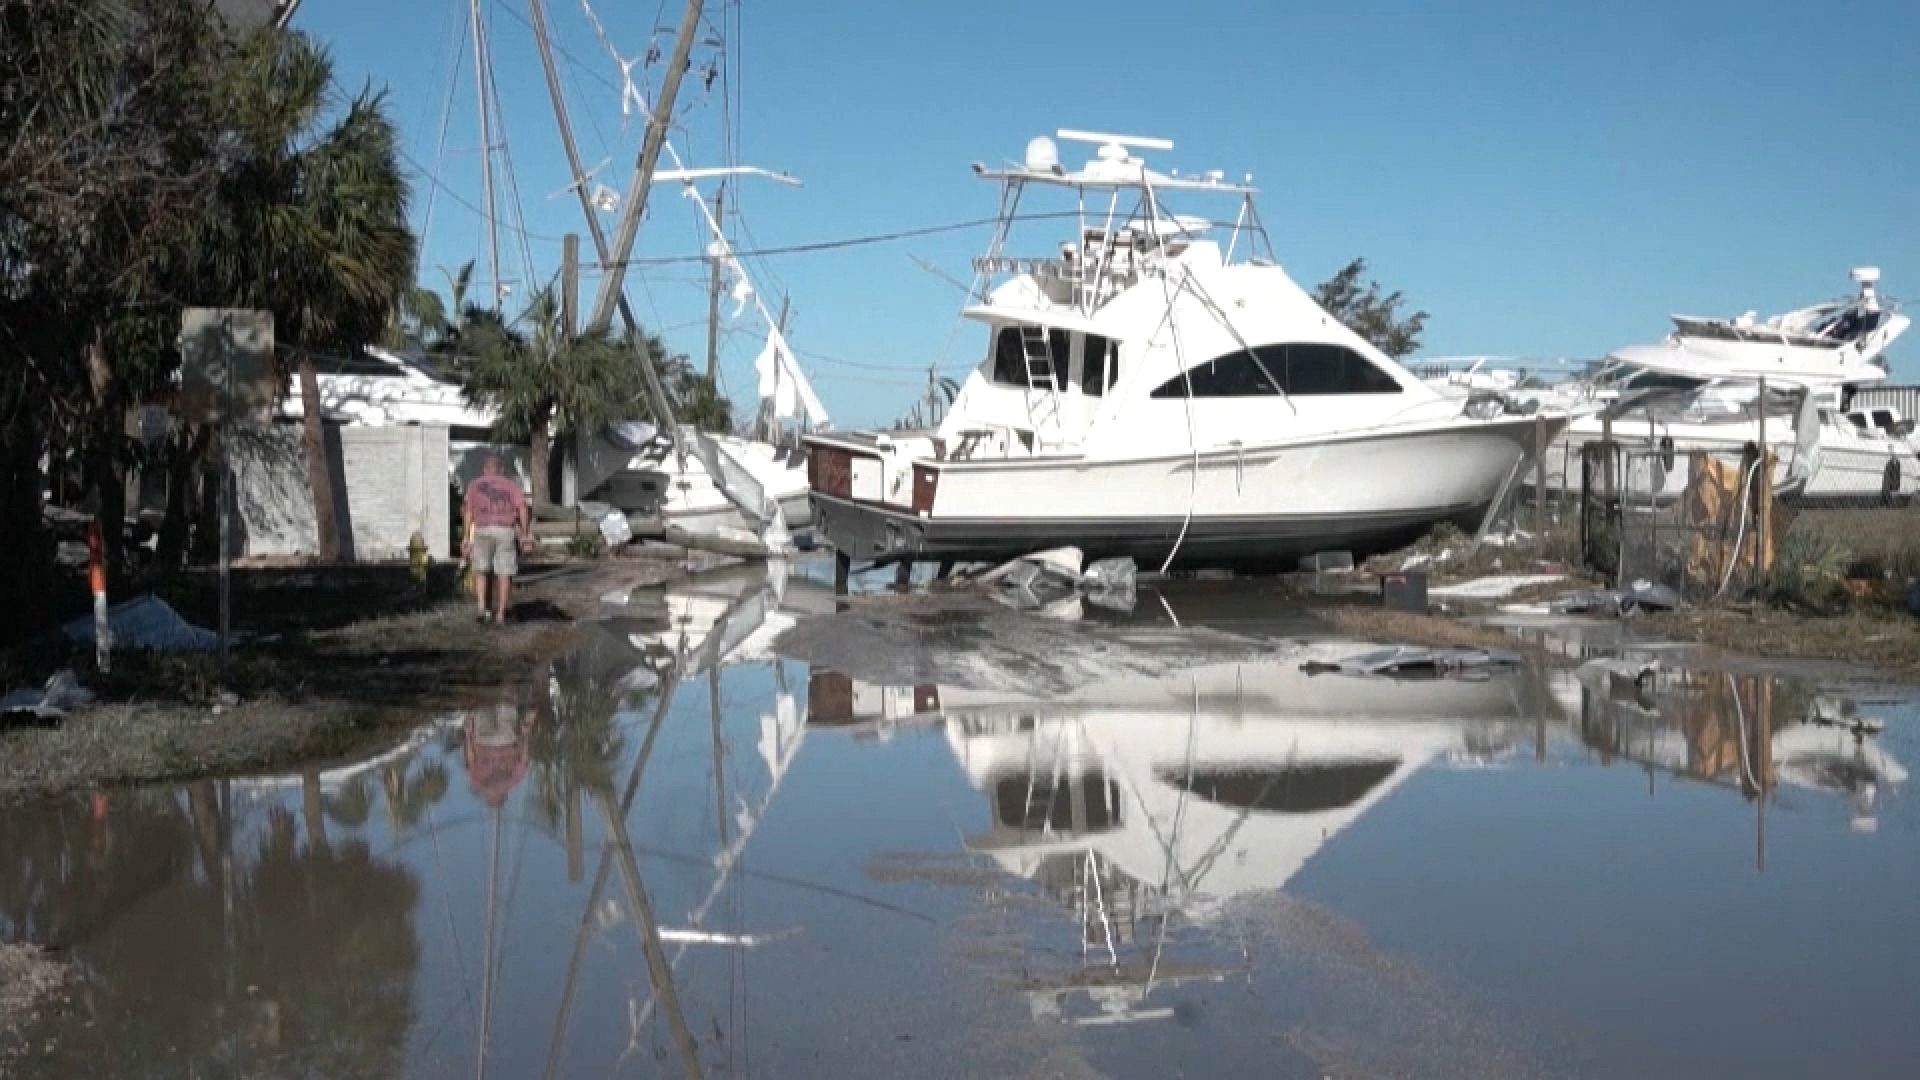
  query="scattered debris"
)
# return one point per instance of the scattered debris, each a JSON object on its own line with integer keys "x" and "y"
{"x": 1495, "y": 587}
{"x": 1062, "y": 563}
{"x": 1638, "y": 597}
{"x": 1622, "y": 679}
{"x": 615, "y": 529}
{"x": 62, "y": 695}
{"x": 1407, "y": 660}
{"x": 146, "y": 623}
{"x": 1109, "y": 583}
{"x": 1051, "y": 583}
{"x": 720, "y": 540}
{"x": 711, "y": 937}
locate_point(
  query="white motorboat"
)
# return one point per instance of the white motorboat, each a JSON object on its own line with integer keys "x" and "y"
{"x": 1158, "y": 386}
{"x": 1699, "y": 391}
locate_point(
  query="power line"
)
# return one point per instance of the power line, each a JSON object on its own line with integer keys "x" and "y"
{"x": 851, "y": 241}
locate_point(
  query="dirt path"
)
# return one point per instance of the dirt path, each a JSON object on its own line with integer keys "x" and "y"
{"x": 320, "y": 685}
{"x": 29, "y": 980}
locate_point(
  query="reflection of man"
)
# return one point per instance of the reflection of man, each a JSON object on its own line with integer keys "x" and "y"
{"x": 498, "y": 526}
{"x": 496, "y": 753}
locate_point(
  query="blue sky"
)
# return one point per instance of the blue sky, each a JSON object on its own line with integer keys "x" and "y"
{"x": 1545, "y": 179}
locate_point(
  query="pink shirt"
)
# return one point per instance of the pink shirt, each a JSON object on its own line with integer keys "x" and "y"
{"x": 495, "y": 500}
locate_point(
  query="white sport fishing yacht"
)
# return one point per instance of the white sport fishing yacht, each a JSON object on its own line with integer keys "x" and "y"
{"x": 1699, "y": 390}
{"x": 1157, "y": 386}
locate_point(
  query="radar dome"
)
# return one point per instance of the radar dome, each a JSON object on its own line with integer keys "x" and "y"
{"x": 1042, "y": 154}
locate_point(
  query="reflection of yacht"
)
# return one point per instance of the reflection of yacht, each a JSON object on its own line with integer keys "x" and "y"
{"x": 1144, "y": 804}
{"x": 1216, "y": 782}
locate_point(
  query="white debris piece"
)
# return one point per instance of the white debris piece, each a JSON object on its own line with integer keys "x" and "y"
{"x": 62, "y": 695}
{"x": 615, "y": 529}
{"x": 1495, "y": 587}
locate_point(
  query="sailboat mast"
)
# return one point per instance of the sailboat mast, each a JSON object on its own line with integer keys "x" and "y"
{"x": 713, "y": 297}
{"x": 480, "y": 81}
{"x": 657, "y": 398}
{"x": 614, "y": 282}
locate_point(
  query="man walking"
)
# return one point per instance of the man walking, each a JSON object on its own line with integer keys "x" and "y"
{"x": 498, "y": 525}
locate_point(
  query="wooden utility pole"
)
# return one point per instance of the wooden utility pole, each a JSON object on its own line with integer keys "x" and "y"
{"x": 613, "y": 283}
{"x": 570, "y": 284}
{"x": 1763, "y": 499}
{"x": 713, "y": 296}
{"x": 1540, "y": 474}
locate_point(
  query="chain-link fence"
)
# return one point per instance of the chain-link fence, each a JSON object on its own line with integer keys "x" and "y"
{"x": 1695, "y": 522}
{"x": 1719, "y": 526}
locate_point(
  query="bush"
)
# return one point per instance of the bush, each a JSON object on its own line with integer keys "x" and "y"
{"x": 1809, "y": 574}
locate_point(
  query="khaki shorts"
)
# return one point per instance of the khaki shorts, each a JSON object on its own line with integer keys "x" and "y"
{"x": 496, "y": 550}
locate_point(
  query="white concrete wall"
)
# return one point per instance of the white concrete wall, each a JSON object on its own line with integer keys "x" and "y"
{"x": 394, "y": 482}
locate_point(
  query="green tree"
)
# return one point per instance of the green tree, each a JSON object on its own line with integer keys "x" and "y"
{"x": 109, "y": 132}
{"x": 312, "y": 221}
{"x": 1363, "y": 309}
{"x": 541, "y": 382}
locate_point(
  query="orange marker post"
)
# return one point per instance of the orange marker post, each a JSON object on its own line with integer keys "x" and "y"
{"x": 97, "y": 580}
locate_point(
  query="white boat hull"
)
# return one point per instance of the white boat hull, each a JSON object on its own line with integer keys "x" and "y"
{"x": 1265, "y": 505}
{"x": 1849, "y": 467}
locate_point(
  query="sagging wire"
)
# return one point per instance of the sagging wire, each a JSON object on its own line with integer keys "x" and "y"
{"x": 1186, "y": 377}
{"x": 1740, "y": 536}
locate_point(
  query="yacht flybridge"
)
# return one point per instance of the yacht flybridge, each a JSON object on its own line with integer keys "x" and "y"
{"x": 1156, "y": 385}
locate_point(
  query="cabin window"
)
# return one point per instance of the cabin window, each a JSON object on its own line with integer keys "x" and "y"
{"x": 1246, "y": 373}
{"x": 1009, "y": 363}
{"x": 1099, "y": 364}
{"x": 1296, "y": 370}
{"x": 1334, "y": 369}
{"x": 1059, "y": 354}
{"x": 1661, "y": 380}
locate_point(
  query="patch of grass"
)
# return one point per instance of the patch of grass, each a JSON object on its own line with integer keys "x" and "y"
{"x": 1809, "y": 574}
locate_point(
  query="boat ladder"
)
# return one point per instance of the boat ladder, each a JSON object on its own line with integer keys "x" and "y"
{"x": 1040, "y": 370}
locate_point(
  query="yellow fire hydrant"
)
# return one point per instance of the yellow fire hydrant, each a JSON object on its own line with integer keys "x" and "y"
{"x": 418, "y": 560}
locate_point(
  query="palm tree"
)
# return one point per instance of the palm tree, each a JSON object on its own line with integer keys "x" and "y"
{"x": 312, "y": 221}
{"x": 541, "y": 382}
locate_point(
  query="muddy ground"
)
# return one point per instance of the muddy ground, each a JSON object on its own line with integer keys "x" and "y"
{"x": 30, "y": 979}
{"x": 333, "y": 664}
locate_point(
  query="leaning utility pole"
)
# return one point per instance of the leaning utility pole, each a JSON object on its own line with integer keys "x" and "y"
{"x": 486, "y": 144}
{"x": 713, "y": 297}
{"x": 657, "y": 398}
{"x": 613, "y": 284}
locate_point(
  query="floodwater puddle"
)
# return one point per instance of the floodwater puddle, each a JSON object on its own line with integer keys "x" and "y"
{"x": 679, "y": 852}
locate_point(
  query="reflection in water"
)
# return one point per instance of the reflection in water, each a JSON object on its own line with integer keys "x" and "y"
{"x": 1751, "y": 733}
{"x": 1142, "y": 804}
{"x": 629, "y": 865}
{"x": 209, "y": 930}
